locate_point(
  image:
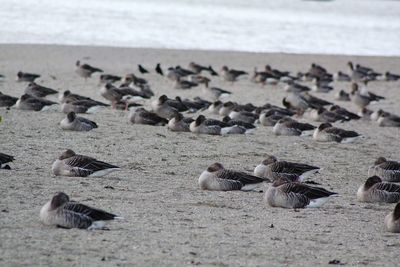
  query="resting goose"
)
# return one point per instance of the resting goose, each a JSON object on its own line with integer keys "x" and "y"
{"x": 374, "y": 190}
{"x": 71, "y": 164}
{"x": 217, "y": 178}
{"x": 65, "y": 213}
{"x": 292, "y": 195}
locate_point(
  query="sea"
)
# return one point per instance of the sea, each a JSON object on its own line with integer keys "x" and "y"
{"x": 349, "y": 27}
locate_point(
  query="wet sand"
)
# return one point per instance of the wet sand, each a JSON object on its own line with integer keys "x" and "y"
{"x": 169, "y": 221}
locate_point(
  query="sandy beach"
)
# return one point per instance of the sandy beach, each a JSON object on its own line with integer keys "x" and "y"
{"x": 169, "y": 221}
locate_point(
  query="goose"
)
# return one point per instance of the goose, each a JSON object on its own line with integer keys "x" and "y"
{"x": 217, "y": 178}
{"x": 342, "y": 96}
{"x": 342, "y": 77}
{"x": 293, "y": 195}
{"x": 37, "y": 90}
{"x": 232, "y": 122}
{"x": 198, "y": 79}
{"x": 327, "y": 133}
{"x": 71, "y": 164}
{"x": 28, "y": 102}
{"x": 270, "y": 118}
{"x": 82, "y": 106}
{"x": 75, "y": 123}
{"x": 273, "y": 169}
{"x": 142, "y": 116}
{"x": 392, "y": 220}
{"x": 217, "y": 93}
{"x": 344, "y": 112}
{"x": 291, "y": 127}
{"x": 7, "y": 100}
{"x": 68, "y": 95}
{"x": 183, "y": 84}
{"x": 26, "y": 77}
{"x": 85, "y": 70}
{"x": 109, "y": 78}
{"x": 4, "y": 158}
{"x": 391, "y": 77}
{"x": 215, "y": 107}
{"x": 323, "y": 115}
{"x": 374, "y": 190}
{"x": 178, "y": 123}
{"x": 231, "y": 75}
{"x": 197, "y": 68}
{"x": 163, "y": 108}
{"x": 200, "y": 126}
{"x": 65, "y": 213}
{"x": 388, "y": 170}
{"x": 388, "y": 120}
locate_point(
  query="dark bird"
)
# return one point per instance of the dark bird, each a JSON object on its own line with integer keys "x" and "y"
{"x": 159, "y": 69}
{"x": 142, "y": 70}
{"x": 85, "y": 70}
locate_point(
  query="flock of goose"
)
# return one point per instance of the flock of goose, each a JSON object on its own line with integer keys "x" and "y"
{"x": 287, "y": 185}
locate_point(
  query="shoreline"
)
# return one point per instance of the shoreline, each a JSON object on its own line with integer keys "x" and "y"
{"x": 188, "y": 50}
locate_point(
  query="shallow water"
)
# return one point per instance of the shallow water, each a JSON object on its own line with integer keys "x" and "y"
{"x": 368, "y": 27}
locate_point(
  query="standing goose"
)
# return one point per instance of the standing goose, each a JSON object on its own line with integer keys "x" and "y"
{"x": 293, "y": 195}
{"x": 71, "y": 164}
{"x": 4, "y": 158}
{"x": 37, "y": 90}
{"x": 142, "y": 116}
{"x": 65, "y": 213}
{"x": 374, "y": 190}
{"x": 7, "y": 100}
{"x": 392, "y": 220}
{"x": 231, "y": 75}
{"x": 273, "y": 169}
{"x": 197, "y": 68}
{"x": 26, "y": 77}
{"x": 217, "y": 178}
{"x": 28, "y": 102}
{"x": 85, "y": 70}
{"x": 291, "y": 127}
{"x": 388, "y": 170}
{"x": 74, "y": 123}
{"x": 327, "y": 133}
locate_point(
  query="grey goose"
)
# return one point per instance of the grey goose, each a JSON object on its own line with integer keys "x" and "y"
{"x": 71, "y": 164}
{"x": 62, "y": 212}
{"x": 217, "y": 178}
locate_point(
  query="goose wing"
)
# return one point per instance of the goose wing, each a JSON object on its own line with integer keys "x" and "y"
{"x": 306, "y": 190}
{"x": 4, "y": 158}
{"x": 241, "y": 177}
{"x": 93, "y": 213}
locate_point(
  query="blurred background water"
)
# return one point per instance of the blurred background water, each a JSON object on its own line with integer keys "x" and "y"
{"x": 357, "y": 27}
